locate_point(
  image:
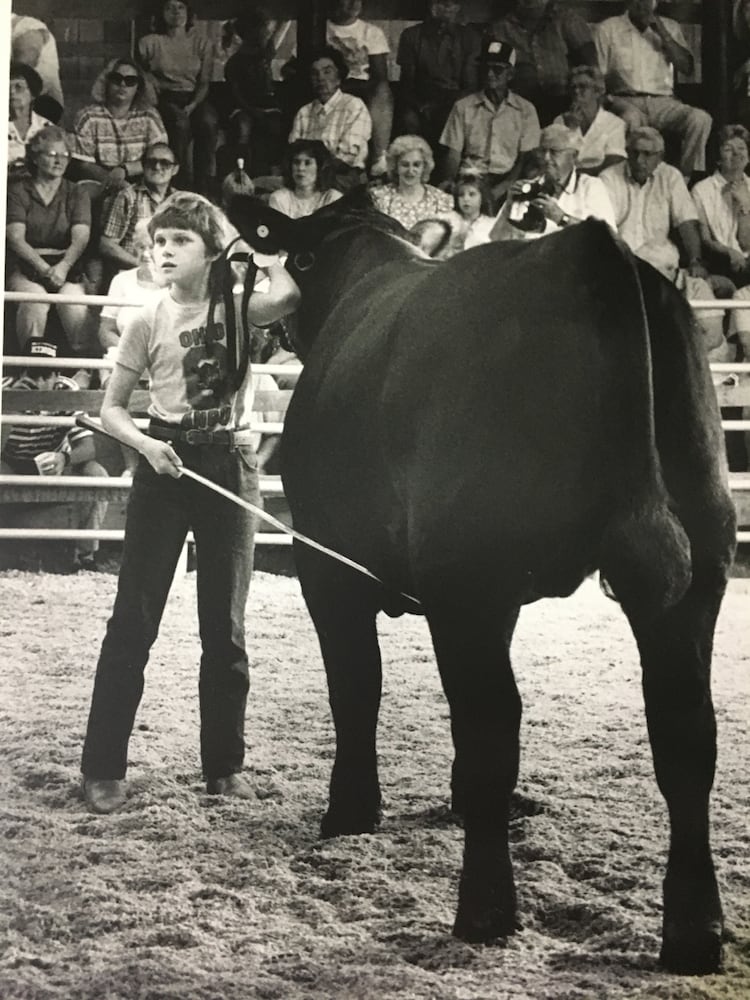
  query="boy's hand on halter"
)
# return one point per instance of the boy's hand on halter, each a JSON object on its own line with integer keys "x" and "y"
{"x": 162, "y": 457}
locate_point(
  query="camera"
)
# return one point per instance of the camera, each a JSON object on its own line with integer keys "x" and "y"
{"x": 523, "y": 215}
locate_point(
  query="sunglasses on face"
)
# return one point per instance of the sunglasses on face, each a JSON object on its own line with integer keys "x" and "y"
{"x": 129, "y": 80}
{"x": 154, "y": 163}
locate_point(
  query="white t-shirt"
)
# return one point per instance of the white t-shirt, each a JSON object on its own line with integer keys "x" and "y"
{"x": 48, "y": 64}
{"x": 357, "y": 42}
{"x": 286, "y": 201}
{"x": 125, "y": 285}
{"x": 187, "y": 373}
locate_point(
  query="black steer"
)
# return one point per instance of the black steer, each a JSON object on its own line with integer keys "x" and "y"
{"x": 481, "y": 433}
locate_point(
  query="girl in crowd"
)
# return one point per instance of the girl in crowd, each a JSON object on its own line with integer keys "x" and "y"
{"x": 48, "y": 225}
{"x": 178, "y": 61}
{"x": 472, "y": 201}
{"x": 306, "y": 169}
{"x": 23, "y": 121}
{"x": 408, "y": 197}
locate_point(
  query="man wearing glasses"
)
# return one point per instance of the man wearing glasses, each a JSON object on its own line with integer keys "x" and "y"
{"x": 112, "y": 134}
{"x": 117, "y": 243}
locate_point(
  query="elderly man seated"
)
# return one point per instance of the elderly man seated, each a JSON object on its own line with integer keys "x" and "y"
{"x": 561, "y": 196}
{"x": 638, "y": 53}
{"x": 656, "y": 217}
{"x": 492, "y": 130}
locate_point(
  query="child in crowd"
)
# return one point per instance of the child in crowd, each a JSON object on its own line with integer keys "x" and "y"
{"x": 55, "y": 449}
{"x": 472, "y": 201}
{"x": 201, "y": 403}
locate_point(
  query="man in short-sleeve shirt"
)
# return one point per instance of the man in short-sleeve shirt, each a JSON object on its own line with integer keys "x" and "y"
{"x": 491, "y": 130}
{"x": 638, "y": 52}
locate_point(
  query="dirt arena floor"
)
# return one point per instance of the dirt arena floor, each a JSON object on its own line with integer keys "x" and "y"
{"x": 183, "y": 897}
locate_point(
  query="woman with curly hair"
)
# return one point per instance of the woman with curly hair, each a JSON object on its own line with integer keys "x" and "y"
{"x": 306, "y": 169}
{"x": 178, "y": 61}
{"x": 408, "y": 197}
{"x": 112, "y": 134}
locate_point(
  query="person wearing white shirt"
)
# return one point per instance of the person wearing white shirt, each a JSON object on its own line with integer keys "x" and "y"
{"x": 603, "y": 133}
{"x": 638, "y": 53}
{"x": 561, "y": 197}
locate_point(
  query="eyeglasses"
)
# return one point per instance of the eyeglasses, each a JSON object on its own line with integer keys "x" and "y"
{"x": 55, "y": 155}
{"x": 154, "y": 163}
{"x": 131, "y": 80}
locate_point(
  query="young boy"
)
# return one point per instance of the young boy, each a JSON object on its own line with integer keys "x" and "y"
{"x": 200, "y": 420}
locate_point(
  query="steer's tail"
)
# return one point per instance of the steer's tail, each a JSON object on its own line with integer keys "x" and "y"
{"x": 645, "y": 552}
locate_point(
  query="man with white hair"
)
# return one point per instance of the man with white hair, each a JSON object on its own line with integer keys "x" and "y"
{"x": 638, "y": 53}
{"x": 561, "y": 196}
{"x": 652, "y": 205}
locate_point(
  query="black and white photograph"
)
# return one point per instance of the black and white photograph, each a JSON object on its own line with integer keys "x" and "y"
{"x": 375, "y": 500}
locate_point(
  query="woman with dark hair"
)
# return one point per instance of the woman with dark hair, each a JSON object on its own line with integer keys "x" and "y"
{"x": 112, "y": 134}
{"x": 178, "y": 61}
{"x": 23, "y": 122}
{"x": 48, "y": 224}
{"x": 306, "y": 169}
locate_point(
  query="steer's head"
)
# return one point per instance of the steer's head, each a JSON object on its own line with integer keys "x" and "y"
{"x": 327, "y": 252}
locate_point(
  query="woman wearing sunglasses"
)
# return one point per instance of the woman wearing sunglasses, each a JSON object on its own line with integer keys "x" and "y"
{"x": 112, "y": 134}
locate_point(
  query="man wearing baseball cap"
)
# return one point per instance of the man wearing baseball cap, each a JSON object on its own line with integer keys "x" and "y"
{"x": 491, "y": 130}
{"x": 560, "y": 196}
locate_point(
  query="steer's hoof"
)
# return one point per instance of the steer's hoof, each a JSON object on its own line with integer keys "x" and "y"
{"x": 348, "y": 823}
{"x": 692, "y": 951}
{"x": 484, "y": 929}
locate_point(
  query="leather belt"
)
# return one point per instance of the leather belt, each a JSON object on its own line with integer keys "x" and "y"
{"x": 223, "y": 437}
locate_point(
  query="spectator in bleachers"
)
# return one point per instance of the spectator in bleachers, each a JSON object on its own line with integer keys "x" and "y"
{"x": 408, "y": 197}
{"x": 472, "y": 202}
{"x": 33, "y": 44}
{"x": 603, "y": 133}
{"x": 340, "y": 120}
{"x": 365, "y": 50}
{"x": 178, "y": 61}
{"x": 638, "y": 53}
{"x": 48, "y": 224}
{"x": 117, "y": 243}
{"x": 549, "y": 40}
{"x": 740, "y": 60}
{"x": 23, "y": 122}
{"x": 559, "y": 197}
{"x": 306, "y": 169}
{"x": 439, "y": 61}
{"x": 111, "y": 135}
{"x": 254, "y": 126}
{"x": 723, "y": 204}
{"x": 56, "y": 450}
{"x": 656, "y": 217}
{"x": 493, "y": 129}
{"x": 433, "y": 237}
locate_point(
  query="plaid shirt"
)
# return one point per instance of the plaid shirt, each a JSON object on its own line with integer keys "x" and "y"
{"x": 101, "y": 138}
{"x": 343, "y": 123}
{"x": 546, "y": 52}
{"x": 127, "y": 208}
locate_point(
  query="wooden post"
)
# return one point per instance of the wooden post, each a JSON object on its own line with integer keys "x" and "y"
{"x": 715, "y": 50}
{"x": 311, "y": 27}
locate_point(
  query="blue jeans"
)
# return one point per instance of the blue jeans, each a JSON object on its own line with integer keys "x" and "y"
{"x": 161, "y": 509}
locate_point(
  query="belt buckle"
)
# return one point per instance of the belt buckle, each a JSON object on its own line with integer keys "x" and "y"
{"x": 196, "y": 436}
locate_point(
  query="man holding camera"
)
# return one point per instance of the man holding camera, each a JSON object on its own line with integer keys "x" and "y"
{"x": 560, "y": 196}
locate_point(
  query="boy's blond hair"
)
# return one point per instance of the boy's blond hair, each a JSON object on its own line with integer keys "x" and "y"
{"x": 187, "y": 210}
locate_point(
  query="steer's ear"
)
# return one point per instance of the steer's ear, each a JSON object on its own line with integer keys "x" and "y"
{"x": 260, "y": 226}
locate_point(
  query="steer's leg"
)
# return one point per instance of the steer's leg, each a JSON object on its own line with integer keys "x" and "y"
{"x": 472, "y": 644}
{"x": 343, "y": 606}
{"x": 676, "y": 658}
